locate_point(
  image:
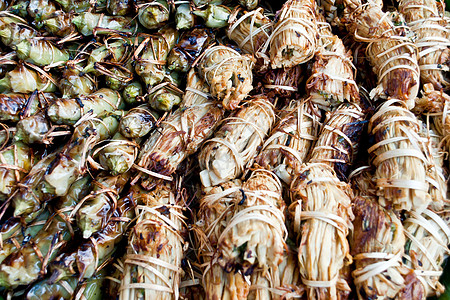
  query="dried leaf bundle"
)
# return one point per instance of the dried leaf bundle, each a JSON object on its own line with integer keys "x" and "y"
{"x": 180, "y": 134}
{"x": 250, "y": 31}
{"x": 390, "y": 50}
{"x": 377, "y": 246}
{"x": 401, "y": 165}
{"x": 428, "y": 235}
{"x": 255, "y": 235}
{"x": 290, "y": 141}
{"x": 225, "y": 156}
{"x": 426, "y": 19}
{"x": 282, "y": 82}
{"x": 332, "y": 79}
{"x": 321, "y": 212}
{"x": 152, "y": 265}
{"x": 228, "y": 73}
{"x": 338, "y": 140}
{"x": 294, "y": 38}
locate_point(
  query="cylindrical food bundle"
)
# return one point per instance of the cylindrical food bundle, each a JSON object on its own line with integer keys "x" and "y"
{"x": 377, "y": 241}
{"x": 138, "y": 122}
{"x": 289, "y": 144}
{"x": 427, "y": 238}
{"x": 401, "y": 166}
{"x": 152, "y": 264}
{"x": 151, "y": 55}
{"x": 250, "y": 31}
{"x": 69, "y": 111}
{"x": 282, "y": 82}
{"x": 228, "y": 73}
{"x": 391, "y": 52}
{"x": 294, "y": 38}
{"x": 118, "y": 154}
{"x": 216, "y": 209}
{"x": 322, "y": 215}
{"x": 15, "y": 162}
{"x": 427, "y": 21}
{"x": 255, "y": 235}
{"x": 338, "y": 141}
{"x": 332, "y": 79}
{"x": 226, "y": 156}
{"x": 181, "y": 133}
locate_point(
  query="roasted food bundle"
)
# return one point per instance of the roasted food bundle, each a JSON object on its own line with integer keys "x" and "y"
{"x": 226, "y": 149}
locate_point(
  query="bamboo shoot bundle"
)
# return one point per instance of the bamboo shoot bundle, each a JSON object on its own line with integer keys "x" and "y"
{"x": 428, "y": 236}
{"x": 321, "y": 212}
{"x": 426, "y": 19}
{"x": 216, "y": 209}
{"x": 390, "y": 50}
{"x": 294, "y": 38}
{"x": 152, "y": 265}
{"x": 290, "y": 141}
{"x": 401, "y": 165}
{"x": 228, "y": 73}
{"x": 338, "y": 141}
{"x": 332, "y": 80}
{"x": 377, "y": 245}
{"x": 250, "y": 31}
{"x": 225, "y": 156}
{"x": 180, "y": 134}
{"x": 255, "y": 235}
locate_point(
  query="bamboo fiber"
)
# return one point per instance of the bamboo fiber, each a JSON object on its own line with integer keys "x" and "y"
{"x": 399, "y": 159}
{"x": 376, "y": 243}
{"x": 390, "y": 50}
{"x": 152, "y": 265}
{"x": 338, "y": 140}
{"x": 236, "y": 143}
{"x": 426, "y": 19}
{"x": 294, "y": 38}
{"x": 321, "y": 213}
{"x": 332, "y": 79}
{"x": 228, "y": 73}
{"x": 180, "y": 134}
{"x": 428, "y": 235}
{"x": 290, "y": 141}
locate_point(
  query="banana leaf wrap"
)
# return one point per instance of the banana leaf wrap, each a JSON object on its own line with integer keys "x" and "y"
{"x": 228, "y": 73}
{"x": 93, "y": 253}
{"x": 16, "y": 161}
{"x": 74, "y": 83}
{"x": 69, "y": 111}
{"x": 41, "y": 53}
{"x": 338, "y": 141}
{"x": 89, "y": 24}
{"x": 13, "y": 33}
{"x": 26, "y": 78}
{"x": 14, "y": 106}
{"x": 118, "y": 154}
{"x": 399, "y": 158}
{"x": 294, "y": 37}
{"x": 236, "y": 143}
{"x": 377, "y": 244}
{"x": 152, "y": 264}
{"x": 96, "y": 209}
{"x": 138, "y": 122}
{"x": 426, "y": 19}
{"x": 64, "y": 167}
{"x": 290, "y": 141}
{"x": 321, "y": 211}
{"x": 69, "y": 288}
{"x": 60, "y": 24}
{"x": 189, "y": 46}
{"x": 30, "y": 261}
{"x": 180, "y": 134}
